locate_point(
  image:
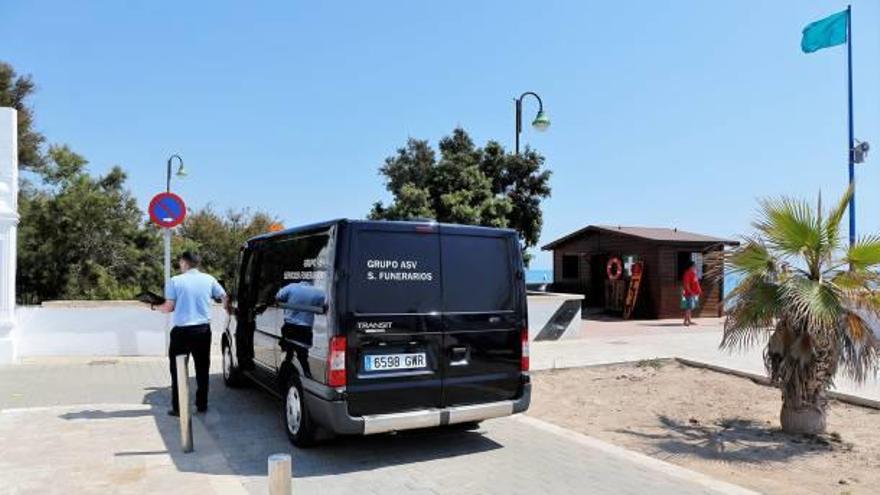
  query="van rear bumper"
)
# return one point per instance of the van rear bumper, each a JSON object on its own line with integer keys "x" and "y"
{"x": 333, "y": 415}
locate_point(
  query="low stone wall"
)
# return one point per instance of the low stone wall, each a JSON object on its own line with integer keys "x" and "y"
{"x": 95, "y": 328}
{"x": 129, "y": 328}
{"x": 554, "y": 316}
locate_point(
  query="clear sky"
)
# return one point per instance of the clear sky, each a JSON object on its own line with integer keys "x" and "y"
{"x": 665, "y": 113}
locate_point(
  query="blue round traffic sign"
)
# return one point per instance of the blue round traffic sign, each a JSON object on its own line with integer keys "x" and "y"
{"x": 167, "y": 210}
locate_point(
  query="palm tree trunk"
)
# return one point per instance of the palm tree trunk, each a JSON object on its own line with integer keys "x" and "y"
{"x": 804, "y": 400}
{"x": 803, "y": 417}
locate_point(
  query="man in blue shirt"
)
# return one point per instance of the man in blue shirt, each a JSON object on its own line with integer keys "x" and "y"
{"x": 188, "y": 297}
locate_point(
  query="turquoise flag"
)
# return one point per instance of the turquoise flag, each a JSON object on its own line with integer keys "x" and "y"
{"x": 824, "y": 33}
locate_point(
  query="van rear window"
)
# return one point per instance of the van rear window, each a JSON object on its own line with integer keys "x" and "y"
{"x": 477, "y": 273}
{"x": 396, "y": 272}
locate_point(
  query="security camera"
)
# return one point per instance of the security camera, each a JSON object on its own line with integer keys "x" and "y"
{"x": 860, "y": 152}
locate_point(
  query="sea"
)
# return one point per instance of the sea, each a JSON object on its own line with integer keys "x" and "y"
{"x": 539, "y": 275}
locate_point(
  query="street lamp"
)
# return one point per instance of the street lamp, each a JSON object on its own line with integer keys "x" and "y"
{"x": 181, "y": 172}
{"x": 541, "y": 122}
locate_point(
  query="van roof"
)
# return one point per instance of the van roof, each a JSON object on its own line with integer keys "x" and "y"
{"x": 329, "y": 223}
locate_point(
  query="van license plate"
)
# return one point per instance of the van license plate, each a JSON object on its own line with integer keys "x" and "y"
{"x": 387, "y": 362}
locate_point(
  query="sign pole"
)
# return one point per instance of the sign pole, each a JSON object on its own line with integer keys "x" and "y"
{"x": 167, "y": 234}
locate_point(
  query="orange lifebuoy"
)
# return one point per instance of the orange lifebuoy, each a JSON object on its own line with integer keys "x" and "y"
{"x": 614, "y": 268}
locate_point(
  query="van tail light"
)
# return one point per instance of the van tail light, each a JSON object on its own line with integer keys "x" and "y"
{"x": 524, "y": 337}
{"x": 336, "y": 362}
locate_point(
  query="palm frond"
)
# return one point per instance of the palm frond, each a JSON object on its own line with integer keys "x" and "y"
{"x": 751, "y": 312}
{"x": 834, "y": 219}
{"x": 863, "y": 300}
{"x": 864, "y": 254}
{"x": 811, "y": 303}
{"x": 752, "y": 258}
{"x": 859, "y": 346}
{"x": 790, "y": 226}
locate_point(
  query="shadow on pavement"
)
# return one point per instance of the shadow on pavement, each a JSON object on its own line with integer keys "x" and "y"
{"x": 244, "y": 424}
{"x": 734, "y": 440}
{"x": 99, "y": 414}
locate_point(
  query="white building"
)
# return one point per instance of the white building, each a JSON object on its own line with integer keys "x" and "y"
{"x": 8, "y": 230}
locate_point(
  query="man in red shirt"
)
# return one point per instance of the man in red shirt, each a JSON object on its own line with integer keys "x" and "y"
{"x": 691, "y": 292}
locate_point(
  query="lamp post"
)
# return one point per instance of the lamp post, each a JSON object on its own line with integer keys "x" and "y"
{"x": 541, "y": 122}
{"x": 181, "y": 172}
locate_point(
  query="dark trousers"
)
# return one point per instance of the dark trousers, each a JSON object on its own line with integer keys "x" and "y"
{"x": 194, "y": 340}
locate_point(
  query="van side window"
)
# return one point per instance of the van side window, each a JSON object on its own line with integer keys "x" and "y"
{"x": 477, "y": 273}
{"x": 301, "y": 259}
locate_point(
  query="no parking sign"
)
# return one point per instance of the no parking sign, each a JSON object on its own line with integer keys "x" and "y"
{"x": 167, "y": 210}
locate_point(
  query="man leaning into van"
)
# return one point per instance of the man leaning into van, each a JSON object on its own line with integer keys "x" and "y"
{"x": 188, "y": 296}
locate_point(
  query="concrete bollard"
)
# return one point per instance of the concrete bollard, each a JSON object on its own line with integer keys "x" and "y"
{"x": 280, "y": 471}
{"x": 186, "y": 437}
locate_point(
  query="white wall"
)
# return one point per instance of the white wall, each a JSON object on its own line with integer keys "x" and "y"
{"x": 114, "y": 328}
{"x": 543, "y": 307}
{"x": 128, "y": 328}
{"x": 8, "y": 230}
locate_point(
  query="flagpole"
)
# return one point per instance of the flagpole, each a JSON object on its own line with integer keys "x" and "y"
{"x": 852, "y": 170}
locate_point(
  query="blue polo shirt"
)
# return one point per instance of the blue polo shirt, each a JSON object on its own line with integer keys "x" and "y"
{"x": 301, "y": 293}
{"x": 192, "y": 293}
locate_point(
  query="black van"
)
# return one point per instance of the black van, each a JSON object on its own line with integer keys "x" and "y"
{"x": 372, "y": 326}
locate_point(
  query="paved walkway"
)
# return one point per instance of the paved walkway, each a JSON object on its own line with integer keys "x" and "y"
{"x": 74, "y": 426}
{"x": 615, "y": 341}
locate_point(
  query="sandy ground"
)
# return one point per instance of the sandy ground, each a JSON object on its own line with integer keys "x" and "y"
{"x": 721, "y": 425}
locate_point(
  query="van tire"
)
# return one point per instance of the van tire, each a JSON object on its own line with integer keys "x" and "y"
{"x": 232, "y": 376}
{"x": 295, "y": 417}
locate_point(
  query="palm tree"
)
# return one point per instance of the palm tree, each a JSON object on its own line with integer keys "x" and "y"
{"x": 813, "y": 297}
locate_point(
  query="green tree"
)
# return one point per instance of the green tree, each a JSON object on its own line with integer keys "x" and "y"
{"x": 83, "y": 237}
{"x": 14, "y": 92}
{"x": 811, "y": 299}
{"x": 468, "y": 185}
{"x": 218, "y": 238}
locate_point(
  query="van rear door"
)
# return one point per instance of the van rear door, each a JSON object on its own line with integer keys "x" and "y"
{"x": 394, "y": 325}
{"x": 484, "y": 315}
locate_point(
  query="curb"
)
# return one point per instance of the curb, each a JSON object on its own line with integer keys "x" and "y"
{"x": 642, "y": 460}
{"x": 763, "y": 380}
{"x": 602, "y": 364}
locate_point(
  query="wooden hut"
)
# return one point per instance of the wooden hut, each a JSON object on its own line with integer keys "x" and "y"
{"x": 581, "y": 265}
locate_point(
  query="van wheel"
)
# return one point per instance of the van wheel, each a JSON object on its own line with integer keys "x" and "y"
{"x": 231, "y": 374}
{"x": 297, "y": 421}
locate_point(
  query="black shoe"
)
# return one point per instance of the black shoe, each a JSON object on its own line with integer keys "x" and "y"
{"x": 202, "y": 409}
{"x": 172, "y": 412}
